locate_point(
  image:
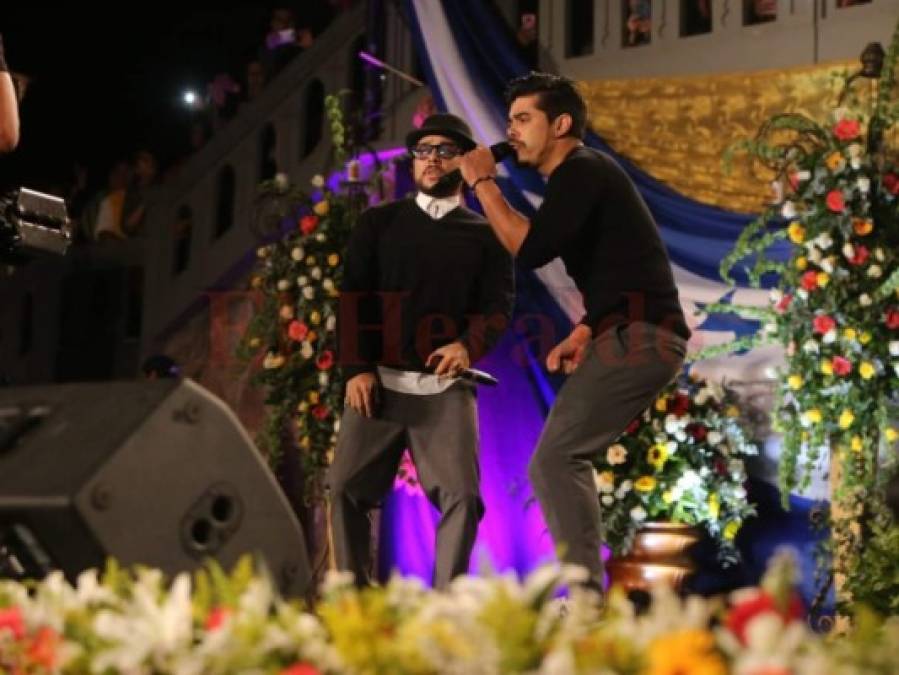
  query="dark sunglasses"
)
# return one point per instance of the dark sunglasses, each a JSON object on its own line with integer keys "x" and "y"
{"x": 444, "y": 150}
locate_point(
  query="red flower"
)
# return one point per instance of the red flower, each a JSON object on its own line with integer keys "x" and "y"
{"x": 809, "y": 280}
{"x": 11, "y": 620}
{"x": 297, "y": 330}
{"x": 861, "y": 255}
{"x": 633, "y": 426}
{"x": 846, "y": 130}
{"x": 784, "y": 303}
{"x": 740, "y": 615}
{"x": 43, "y": 648}
{"x": 892, "y": 320}
{"x": 823, "y": 324}
{"x": 835, "y": 201}
{"x": 891, "y": 183}
{"x": 320, "y": 412}
{"x": 325, "y": 361}
{"x": 301, "y": 669}
{"x": 698, "y": 432}
{"x": 680, "y": 405}
{"x": 721, "y": 466}
{"x": 841, "y": 366}
{"x": 793, "y": 177}
{"x": 308, "y": 224}
{"x": 216, "y": 618}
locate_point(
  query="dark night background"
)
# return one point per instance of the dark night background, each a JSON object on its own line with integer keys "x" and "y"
{"x": 104, "y": 83}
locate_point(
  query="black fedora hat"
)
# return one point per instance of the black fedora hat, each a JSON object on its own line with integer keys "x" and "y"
{"x": 443, "y": 124}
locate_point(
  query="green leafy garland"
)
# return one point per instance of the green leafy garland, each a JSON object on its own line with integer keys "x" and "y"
{"x": 293, "y": 329}
{"x": 835, "y": 307}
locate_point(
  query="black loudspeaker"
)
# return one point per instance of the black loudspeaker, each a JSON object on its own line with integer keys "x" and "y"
{"x": 153, "y": 473}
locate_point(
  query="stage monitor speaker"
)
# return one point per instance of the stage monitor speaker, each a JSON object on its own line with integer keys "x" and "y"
{"x": 156, "y": 473}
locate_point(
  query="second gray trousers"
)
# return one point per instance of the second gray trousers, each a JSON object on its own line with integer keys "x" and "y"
{"x": 441, "y": 432}
{"x": 622, "y": 373}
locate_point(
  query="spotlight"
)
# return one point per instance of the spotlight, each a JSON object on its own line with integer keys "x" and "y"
{"x": 190, "y": 98}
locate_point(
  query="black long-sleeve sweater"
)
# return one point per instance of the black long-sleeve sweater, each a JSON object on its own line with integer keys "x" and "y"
{"x": 412, "y": 284}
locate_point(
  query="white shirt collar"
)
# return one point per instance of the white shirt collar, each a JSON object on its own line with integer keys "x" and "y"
{"x": 437, "y": 207}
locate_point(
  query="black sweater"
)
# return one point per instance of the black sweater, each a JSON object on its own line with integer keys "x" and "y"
{"x": 412, "y": 284}
{"x": 594, "y": 219}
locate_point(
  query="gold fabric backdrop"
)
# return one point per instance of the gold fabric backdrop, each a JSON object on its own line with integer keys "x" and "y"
{"x": 678, "y": 128}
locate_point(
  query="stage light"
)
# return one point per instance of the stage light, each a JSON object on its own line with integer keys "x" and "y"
{"x": 190, "y": 98}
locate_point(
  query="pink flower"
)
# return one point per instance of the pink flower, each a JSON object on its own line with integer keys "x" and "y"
{"x": 633, "y": 426}
{"x": 297, "y": 331}
{"x": 823, "y": 324}
{"x": 846, "y": 130}
{"x": 320, "y": 412}
{"x": 11, "y": 620}
{"x": 698, "y": 432}
{"x": 835, "y": 201}
{"x": 784, "y": 303}
{"x": 740, "y": 615}
{"x": 841, "y": 366}
{"x": 216, "y": 618}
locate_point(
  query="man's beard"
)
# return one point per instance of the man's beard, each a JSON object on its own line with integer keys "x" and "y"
{"x": 447, "y": 186}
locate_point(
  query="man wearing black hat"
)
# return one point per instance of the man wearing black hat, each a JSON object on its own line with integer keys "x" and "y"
{"x": 427, "y": 290}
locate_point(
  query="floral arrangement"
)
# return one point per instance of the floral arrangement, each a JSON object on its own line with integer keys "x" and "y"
{"x": 681, "y": 460}
{"x": 293, "y": 329}
{"x": 135, "y": 623}
{"x": 835, "y": 304}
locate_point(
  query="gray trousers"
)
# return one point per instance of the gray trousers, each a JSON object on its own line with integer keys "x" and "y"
{"x": 441, "y": 432}
{"x": 623, "y": 372}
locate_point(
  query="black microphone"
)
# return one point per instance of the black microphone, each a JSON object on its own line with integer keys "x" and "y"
{"x": 499, "y": 151}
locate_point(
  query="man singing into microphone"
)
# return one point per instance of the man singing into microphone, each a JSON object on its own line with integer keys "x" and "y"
{"x": 426, "y": 287}
{"x": 632, "y": 340}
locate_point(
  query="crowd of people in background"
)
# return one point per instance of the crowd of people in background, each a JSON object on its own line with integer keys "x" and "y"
{"x": 117, "y": 210}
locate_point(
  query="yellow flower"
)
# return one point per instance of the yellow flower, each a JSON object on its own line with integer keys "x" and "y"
{"x": 862, "y": 226}
{"x": 304, "y": 442}
{"x": 846, "y": 419}
{"x": 891, "y": 434}
{"x": 864, "y": 337}
{"x": 315, "y": 318}
{"x": 303, "y": 406}
{"x": 801, "y": 263}
{"x": 867, "y": 370}
{"x": 667, "y": 496}
{"x": 850, "y": 334}
{"x": 813, "y": 416}
{"x": 321, "y": 209}
{"x": 255, "y": 342}
{"x": 313, "y": 397}
{"x": 856, "y": 444}
{"x": 714, "y": 505}
{"x": 661, "y": 404}
{"x": 796, "y": 233}
{"x": 823, "y": 279}
{"x": 333, "y": 260}
{"x": 684, "y": 651}
{"x": 794, "y": 381}
{"x": 645, "y": 484}
{"x": 827, "y": 367}
{"x": 731, "y": 529}
{"x": 311, "y": 336}
{"x": 657, "y": 455}
{"x": 833, "y": 160}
